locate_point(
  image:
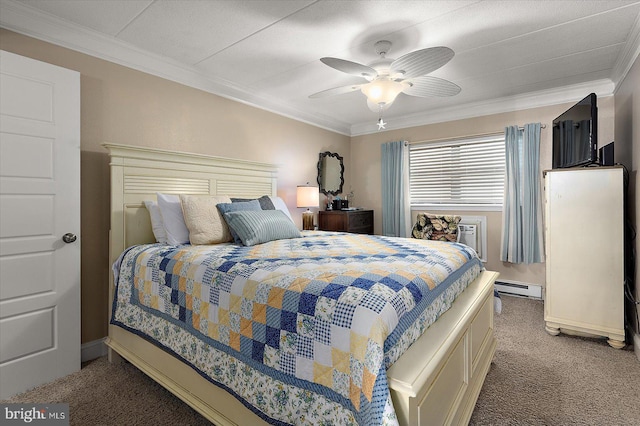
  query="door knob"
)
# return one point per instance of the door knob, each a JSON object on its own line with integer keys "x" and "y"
{"x": 69, "y": 238}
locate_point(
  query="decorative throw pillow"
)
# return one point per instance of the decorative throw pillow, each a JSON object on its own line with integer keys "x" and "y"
{"x": 436, "y": 227}
{"x": 279, "y": 204}
{"x": 157, "y": 226}
{"x": 265, "y": 202}
{"x": 171, "y": 211}
{"x": 252, "y": 205}
{"x": 268, "y": 202}
{"x": 256, "y": 227}
{"x": 203, "y": 219}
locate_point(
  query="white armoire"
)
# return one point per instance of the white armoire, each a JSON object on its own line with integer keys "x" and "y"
{"x": 585, "y": 252}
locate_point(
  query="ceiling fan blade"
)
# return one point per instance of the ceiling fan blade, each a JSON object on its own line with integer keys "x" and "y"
{"x": 431, "y": 86}
{"x": 349, "y": 67}
{"x": 336, "y": 91}
{"x": 422, "y": 61}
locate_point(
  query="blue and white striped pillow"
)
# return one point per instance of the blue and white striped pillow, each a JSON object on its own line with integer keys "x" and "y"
{"x": 225, "y": 208}
{"x": 256, "y": 227}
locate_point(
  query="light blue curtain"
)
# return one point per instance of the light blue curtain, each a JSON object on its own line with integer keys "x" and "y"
{"x": 395, "y": 175}
{"x": 522, "y": 234}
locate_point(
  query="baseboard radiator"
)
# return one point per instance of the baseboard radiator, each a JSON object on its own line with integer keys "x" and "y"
{"x": 519, "y": 289}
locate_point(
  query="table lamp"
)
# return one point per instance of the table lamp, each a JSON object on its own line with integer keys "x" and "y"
{"x": 307, "y": 196}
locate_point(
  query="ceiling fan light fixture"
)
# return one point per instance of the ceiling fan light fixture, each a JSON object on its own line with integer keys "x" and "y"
{"x": 381, "y": 93}
{"x": 377, "y": 107}
{"x": 387, "y": 78}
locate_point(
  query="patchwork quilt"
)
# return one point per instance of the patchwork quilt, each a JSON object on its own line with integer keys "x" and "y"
{"x": 301, "y": 330}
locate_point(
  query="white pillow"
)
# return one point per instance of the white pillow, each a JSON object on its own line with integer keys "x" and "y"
{"x": 171, "y": 211}
{"x": 156, "y": 221}
{"x": 203, "y": 219}
{"x": 279, "y": 204}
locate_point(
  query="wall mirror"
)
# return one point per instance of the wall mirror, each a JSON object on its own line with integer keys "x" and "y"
{"x": 330, "y": 173}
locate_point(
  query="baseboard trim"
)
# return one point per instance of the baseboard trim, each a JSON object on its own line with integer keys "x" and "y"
{"x": 94, "y": 349}
{"x": 636, "y": 345}
{"x": 519, "y": 288}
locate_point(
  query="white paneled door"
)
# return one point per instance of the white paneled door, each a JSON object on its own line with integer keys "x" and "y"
{"x": 39, "y": 223}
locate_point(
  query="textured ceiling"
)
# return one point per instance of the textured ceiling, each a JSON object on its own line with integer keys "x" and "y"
{"x": 509, "y": 54}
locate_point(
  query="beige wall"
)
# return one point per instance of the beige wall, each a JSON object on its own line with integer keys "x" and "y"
{"x": 365, "y": 160}
{"x": 124, "y": 106}
{"x": 627, "y": 151}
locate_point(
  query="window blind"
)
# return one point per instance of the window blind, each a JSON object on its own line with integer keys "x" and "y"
{"x": 461, "y": 172}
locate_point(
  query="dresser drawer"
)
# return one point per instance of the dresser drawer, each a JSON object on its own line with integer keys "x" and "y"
{"x": 360, "y": 220}
{"x": 356, "y": 221}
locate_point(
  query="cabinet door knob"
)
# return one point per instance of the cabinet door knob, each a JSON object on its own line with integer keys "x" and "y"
{"x": 69, "y": 237}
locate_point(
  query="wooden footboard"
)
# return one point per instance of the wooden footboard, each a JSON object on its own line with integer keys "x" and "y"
{"x": 437, "y": 381}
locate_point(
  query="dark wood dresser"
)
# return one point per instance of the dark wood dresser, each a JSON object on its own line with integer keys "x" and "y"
{"x": 356, "y": 221}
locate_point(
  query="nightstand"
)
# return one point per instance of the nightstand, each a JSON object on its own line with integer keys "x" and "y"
{"x": 355, "y": 221}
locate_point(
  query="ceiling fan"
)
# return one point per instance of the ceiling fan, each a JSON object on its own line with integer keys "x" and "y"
{"x": 387, "y": 78}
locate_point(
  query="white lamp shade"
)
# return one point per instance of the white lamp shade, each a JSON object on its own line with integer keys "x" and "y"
{"x": 308, "y": 196}
{"x": 382, "y": 92}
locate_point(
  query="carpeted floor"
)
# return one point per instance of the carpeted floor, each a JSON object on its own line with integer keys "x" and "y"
{"x": 536, "y": 379}
{"x": 539, "y": 379}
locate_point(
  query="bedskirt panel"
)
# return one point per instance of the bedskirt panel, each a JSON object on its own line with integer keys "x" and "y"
{"x": 347, "y": 307}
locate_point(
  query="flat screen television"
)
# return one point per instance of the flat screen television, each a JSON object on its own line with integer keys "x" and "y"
{"x": 575, "y": 135}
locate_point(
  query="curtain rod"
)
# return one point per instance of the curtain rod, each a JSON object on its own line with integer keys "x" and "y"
{"x": 478, "y": 135}
{"x": 542, "y": 126}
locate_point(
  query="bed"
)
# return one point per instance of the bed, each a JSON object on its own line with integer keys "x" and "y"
{"x": 435, "y": 381}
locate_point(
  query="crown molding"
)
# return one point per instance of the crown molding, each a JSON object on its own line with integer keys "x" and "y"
{"x": 629, "y": 55}
{"x": 43, "y": 26}
{"x": 538, "y": 99}
{"x": 25, "y": 20}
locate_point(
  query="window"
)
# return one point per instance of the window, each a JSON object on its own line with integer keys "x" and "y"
{"x": 461, "y": 173}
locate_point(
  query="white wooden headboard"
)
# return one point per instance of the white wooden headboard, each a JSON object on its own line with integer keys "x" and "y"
{"x": 138, "y": 173}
